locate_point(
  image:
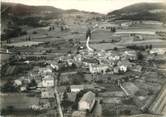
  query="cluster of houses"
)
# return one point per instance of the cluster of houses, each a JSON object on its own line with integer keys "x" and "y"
{"x": 158, "y": 51}
{"x": 110, "y": 61}
{"x": 101, "y": 62}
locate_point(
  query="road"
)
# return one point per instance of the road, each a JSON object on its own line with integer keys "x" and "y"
{"x": 58, "y": 102}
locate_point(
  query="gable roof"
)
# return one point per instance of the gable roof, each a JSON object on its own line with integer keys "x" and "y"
{"x": 88, "y": 97}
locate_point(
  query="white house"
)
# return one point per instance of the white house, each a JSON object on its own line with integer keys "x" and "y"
{"x": 159, "y": 51}
{"x": 48, "y": 81}
{"x": 98, "y": 68}
{"x": 76, "y": 88}
{"x": 54, "y": 66}
{"x": 114, "y": 57}
{"x": 131, "y": 55}
{"x": 123, "y": 68}
{"x": 17, "y": 82}
{"x": 87, "y": 101}
{"x": 23, "y": 88}
{"x": 124, "y": 65}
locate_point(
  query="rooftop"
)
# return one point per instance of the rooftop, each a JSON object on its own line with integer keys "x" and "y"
{"x": 88, "y": 97}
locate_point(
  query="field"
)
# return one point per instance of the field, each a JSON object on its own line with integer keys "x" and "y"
{"x": 155, "y": 43}
{"x": 105, "y": 46}
{"x": 21, "y": 44}
{"x": 17, "y": 100}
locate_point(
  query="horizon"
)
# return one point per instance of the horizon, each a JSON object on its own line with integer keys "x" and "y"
{"x": 85, "y": 5}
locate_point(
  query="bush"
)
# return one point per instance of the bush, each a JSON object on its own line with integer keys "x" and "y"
{"x": 9, "y": 87}
{"x": 32, "y": 83}
{"x": 140, "y": 56}
{"x": 34, "y": 32}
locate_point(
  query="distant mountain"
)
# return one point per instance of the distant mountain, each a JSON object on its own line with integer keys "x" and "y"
{"x": 16, "y": 12}
{"x": 25, "y": 10}
{"x": 14, "y": 16}
{"x": 141, "y": 11}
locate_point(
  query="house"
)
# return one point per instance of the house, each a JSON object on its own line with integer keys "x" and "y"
{"x": 123, "y": 68}
{"x": 70, "y": 62}
{"x": 125, "y": 24}
{"x": 158, "y": 51}
{"x": 48, "y": 93}
{"x": 48, "y": 81}
{"x": 130, "y": 55}
{"x": 23, "y": 88}
{"x": 108, "y": 26}
{"x": 98, "y": 68}
{"x": 116, "y": 70}
{"x": 114, "y": 57}
{"x": 78, "y": 58}
{"x": 87, "y": 102}
{"x": 54, "y": 66}
{"x": 17, "y": 82}
{"x": 76, "y": 88}
{"x": 123, "y": 65}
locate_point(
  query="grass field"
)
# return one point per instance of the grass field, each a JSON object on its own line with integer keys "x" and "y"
{"x": 105, "y": 46}
{"x": 155, "y": 43}
{"x": 17, "y": 100}
{"x": 21, "y": 44}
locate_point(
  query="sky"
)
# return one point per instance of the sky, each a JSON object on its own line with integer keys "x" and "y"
{"x": 101, "y": 6}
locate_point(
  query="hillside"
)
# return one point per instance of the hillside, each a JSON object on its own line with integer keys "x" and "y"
{"x": 14, "y": 16}
{"x": 141, "y": 11}
{"x": 24, "y": 10}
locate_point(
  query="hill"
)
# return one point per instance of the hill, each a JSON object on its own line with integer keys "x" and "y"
{"x": 141, "y": 11}
{"x": 25, "y": 10}
{"x": 15, "y": 16}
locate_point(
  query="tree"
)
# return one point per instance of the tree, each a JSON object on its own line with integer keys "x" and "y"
{"x": 9, "y": 87}
{"x": 150, "y": 46}
{"x": 113, "y": 29}
{"x": 65, "y": 96}
{"x": 115, "y": 48}
{"x": 32, "y": 83}
{"x": 140, "y": 56}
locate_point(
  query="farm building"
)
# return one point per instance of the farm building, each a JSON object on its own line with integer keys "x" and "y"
{"x": 98, "y": 68}
{"x": 124, "y": 65}
{"x": 87, "y": 101}
{"x": 76, "y": 88}
{"x": 158, "y": 51}
{"x": 48, "y": 81}
{"x": 108, "y": 26}
{"x": 131, "y": 55}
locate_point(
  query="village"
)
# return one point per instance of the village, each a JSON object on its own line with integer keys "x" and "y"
{"x": 102, "y": 68}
